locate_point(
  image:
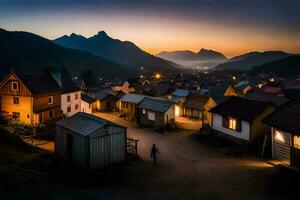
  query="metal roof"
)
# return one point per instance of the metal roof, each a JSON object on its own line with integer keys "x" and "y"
{"x": 84, "y": 123}
{"x": 156, "y": 105}
{"x": 132, "y": 98}
{"x": 181, "y": 92}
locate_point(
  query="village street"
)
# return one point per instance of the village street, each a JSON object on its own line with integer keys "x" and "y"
{"x": 189, "y": 167}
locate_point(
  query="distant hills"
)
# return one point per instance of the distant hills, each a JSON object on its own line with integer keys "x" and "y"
{"x": 288, "y": 67}
{"x": 190, "y": 59}
{"x": 247, "y": 61}
{"x": 27, "y": 52}
{"x": 122, "y": 52}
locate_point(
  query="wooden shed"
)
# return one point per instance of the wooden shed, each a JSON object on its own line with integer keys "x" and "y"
{"x": 90, "y": 142}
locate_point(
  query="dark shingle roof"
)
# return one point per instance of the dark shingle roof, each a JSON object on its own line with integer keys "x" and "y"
{"x": 195, "y": 100}
{"x": 132, "y": 98}
{"x": 286, "y": 118}
{"x": 68, "y": 85}
{"x": 240, "y": 108}
{"x": 87, "y": 98}
{"x": 266, "y": 97}
{"x": 40, "y": 83}
{"x": 156, "y": 105}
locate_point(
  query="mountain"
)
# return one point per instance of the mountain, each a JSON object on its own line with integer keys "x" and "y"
{"x": 247, "y": 61}
{"x": 27, "y": 52}
{"x": 204, "y": 58}
{"x": 122, "y": 52}
{"x": 288, "y": 67}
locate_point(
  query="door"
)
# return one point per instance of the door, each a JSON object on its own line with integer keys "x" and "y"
{"x": 281, "y": 146}
{"x": 69, "y": 146}
{"x": 41, "y": 118}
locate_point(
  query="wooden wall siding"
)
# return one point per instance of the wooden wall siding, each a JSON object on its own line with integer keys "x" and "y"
{"x": 6, "y": 89}
{"x": 46, "y": 118}
{"x": 158, "y": 122}
{"x": 40, "y": 102}
{"x": 129, "y": 109}
{"x": 281, "y": 150}
{"x": 24, "y": 107}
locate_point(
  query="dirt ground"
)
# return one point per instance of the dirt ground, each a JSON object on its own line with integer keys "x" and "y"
{"x": 189, "y": 167}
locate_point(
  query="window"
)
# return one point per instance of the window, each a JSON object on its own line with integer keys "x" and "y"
{"x": 76, "y": 96}
{"x": 16, "y": 100}
{"x": 144, "y": 111}
{"x": 50, "y": 100}
{"x": 151, "y": 116}
{"x": 16, "y": 115}
{"x": 232, "y": 123}
{"x": 279, "y": 136}
{"x": 69, "y": 109}
{"x": 41, "y": 118}
{"x": 68, "y": 98}
{"x": 297, "y": 142}
{"x": 76, "y": 107}
{"x": 15, "y": 85}
{"x": 51, "y": 113}
{"x": 28, "y": 116}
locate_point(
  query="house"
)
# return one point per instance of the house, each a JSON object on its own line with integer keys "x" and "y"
{"x": 88, "y": 104}
{"x": 90, "y": 142}
{"x": 194, "y": 104}
{"x": 258, "y": 95}
{"x": 238, "y": 90}
{"x": 240, "y": 119}
{"x": 178, "y": 98}
{"x": 80, "y": 84}
{"x": 211, "y": 103}
{"x": 70, "y": 96}
{"x": 155, "y": 112}
{"x": 129, "y": 103}
{"x": 158, "y": 89}
{"x": 31, "y": 98}
{"x": 106, "y": 100}
{"x": 285, "y": 131}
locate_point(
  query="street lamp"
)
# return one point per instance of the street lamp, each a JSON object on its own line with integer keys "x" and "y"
{"x": 157, "y": 76}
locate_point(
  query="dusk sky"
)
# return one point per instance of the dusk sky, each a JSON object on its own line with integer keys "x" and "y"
{"x": 229, "y": 26}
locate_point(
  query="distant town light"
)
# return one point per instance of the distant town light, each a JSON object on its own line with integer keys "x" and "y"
{"x": 272, "y": 79}
{"x": 141, "y": 76}
{"x": 142, "y": 68}
{"x": 157, "y": 76}
{"x": 234, "y": 78}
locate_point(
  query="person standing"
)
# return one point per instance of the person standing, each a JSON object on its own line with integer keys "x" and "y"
{"x": 154, "y": 152}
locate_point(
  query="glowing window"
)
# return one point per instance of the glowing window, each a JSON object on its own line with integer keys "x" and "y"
{"x": 232, "y": 123}
{"x": 279, "y": 136}
{"x": 297, "y": 142}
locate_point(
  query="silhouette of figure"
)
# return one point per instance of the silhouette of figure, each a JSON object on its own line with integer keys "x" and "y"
{"x": 154, "y": 152}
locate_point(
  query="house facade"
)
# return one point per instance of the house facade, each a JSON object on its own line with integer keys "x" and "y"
{"x": 240, "y": 119}
{"x": 88, "y": 104}
{"x": 129, "y": 104}
{"x": 155, "y": 113}
{"x": 285, "y": 134}
{"x": 31, "y": 98}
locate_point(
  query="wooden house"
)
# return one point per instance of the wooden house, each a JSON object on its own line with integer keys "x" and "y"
{"x": 129, "y": 103}
{"x": 106, "y": 100}
{"x": 155, "y": 113}
{"x": 31, "y": 98}
{"x": 240, "y": 119}
{"x": 210, "y": 104}
{"x": 88, "y": 104}
{"x": 194, "y": 104}
{"x": 285, "y": 132}
{"x": 90, "y": 142}
{"x": 237, "y": 90}
{"x": 178, "y": 98}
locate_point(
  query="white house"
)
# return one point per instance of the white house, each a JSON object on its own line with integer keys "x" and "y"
{"x": 240, "y": 119}
{"x": 285, "y": 123}
{"x": 70, "y": 96}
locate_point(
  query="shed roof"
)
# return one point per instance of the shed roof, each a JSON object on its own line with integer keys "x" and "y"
{"x": 84, "y": 123}
{"x": 240, "y": 108}
{"x": 195, "y": 100}
{"x": 87, "y": 98}
{"x": 286, "y": 118}
{"x": 181, "y": 92}
{"x": 132, "y": 98}
{"x": 156, "y": 105}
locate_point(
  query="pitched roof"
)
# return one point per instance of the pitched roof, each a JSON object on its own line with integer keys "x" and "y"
{"x": 102, "y": 94}
{"x": 195, "y": 100}
{"x": 286, "y": 118}
{"x": 87, "y": 98}
{"x": 156, "y": 105}
{"x": 132, "y": 98}
{"x": 40, "y": 83}
{"x": 68, "y": 85}
{"x": 84, "y": 123}
{"x": 266, "y": 97}
{"x": 240, "y": 108}
{"x": 181, "y": 92}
